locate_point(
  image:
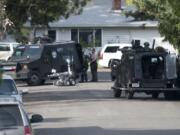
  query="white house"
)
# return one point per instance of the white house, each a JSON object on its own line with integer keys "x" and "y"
{"x": 101, "y": 22}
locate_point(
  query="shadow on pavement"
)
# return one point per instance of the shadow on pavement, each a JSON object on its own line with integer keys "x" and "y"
{"x": 102, "y": 77}
{"x": 101, "y": 131}
{"x": 86, "y": 95}
{"x": 68, "y": 95}
{"x": 54, "y": 120}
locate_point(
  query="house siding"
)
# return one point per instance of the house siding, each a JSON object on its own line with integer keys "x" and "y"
{"x": 63, "y": 34}
{"x": 125, "y": 35}
{"x": 109, "y": 35}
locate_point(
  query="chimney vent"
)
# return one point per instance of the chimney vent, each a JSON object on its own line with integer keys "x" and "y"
{"x": 116, "y": 5}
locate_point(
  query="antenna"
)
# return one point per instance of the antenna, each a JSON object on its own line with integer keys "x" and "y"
{"x": 153, "y": 45}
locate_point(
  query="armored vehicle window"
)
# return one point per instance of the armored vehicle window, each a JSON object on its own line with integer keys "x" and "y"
{"x": 33, "y": 51}
{"x": 111, "y": 49}
{"x": 153, "y": 67}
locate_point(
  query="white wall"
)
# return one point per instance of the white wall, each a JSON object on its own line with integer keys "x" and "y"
{"x": 125, "y": 35}
{"x": 115, "y": 35}
{"x": 40, "y": 32}
{"x": 63, "y": 34}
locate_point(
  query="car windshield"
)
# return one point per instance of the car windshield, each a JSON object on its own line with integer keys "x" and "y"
{"x": 33, "y": 51}
{"x": 7, "y": 87}
{"x": 19, "y": 51}
{"x": 4, "y": 47}
{"x": 10, "y": 116}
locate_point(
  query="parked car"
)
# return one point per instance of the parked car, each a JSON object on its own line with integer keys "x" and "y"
{"x": 36, "y": 62}
{"x": 8, "y": 88}
{"x": 7, "y": 49}
{"x": 110, "y": 52}
{"x": 13, "y": 118}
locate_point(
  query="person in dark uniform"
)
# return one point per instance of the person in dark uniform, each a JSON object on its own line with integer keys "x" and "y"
{"x": 94, "y": 66}
{"x": 84, "y": 77}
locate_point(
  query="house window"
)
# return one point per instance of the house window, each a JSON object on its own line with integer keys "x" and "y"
{"x": 52, "y": 34}
{"x": 74, "y": 35}
{"x": 98, "y": 37}
{"x": 87, "y": 37}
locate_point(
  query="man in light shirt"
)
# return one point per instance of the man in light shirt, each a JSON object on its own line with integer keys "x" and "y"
{"x": 93, "y": 65}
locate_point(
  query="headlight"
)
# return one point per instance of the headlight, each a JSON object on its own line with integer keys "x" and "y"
{"x": 25, "y": 67}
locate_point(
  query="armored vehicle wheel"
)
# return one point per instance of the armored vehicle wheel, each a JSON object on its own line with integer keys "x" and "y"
{"x": 42, "y": 82}
{"x": 117, "y": 93}
{"x": 67, "y": 83}
{"x": 73, "y": 83}
{"x": 155, "y": 95}
{"x": 57, "y": 83}
{"x": 34, "y": 79}
{"x": 129, "y": 94}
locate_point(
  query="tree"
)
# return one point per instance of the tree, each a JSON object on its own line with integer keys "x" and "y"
{"x": 40, "y": 12}
{"x": 164, "y": 11}
{"x": 2, "y": 17}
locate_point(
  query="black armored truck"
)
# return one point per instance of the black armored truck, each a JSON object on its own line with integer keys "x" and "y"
{"x": 152, "y": 71}
{"x": 34, "y": 63}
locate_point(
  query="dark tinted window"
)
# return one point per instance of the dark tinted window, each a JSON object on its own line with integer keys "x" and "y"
{"x": 74, "y": 35}
{"x": 33, "y": 51}
{"x": 111, "y": 49}
{"x": 10, "y": 116}
{"x": 7, "y": 87}
{"x": 52, "y": 34}
{"x": 4, "y": 47}
{"x": 98, "y": 37}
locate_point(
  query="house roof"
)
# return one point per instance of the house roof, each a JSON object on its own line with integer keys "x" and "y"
{"x": 98, "y": 13}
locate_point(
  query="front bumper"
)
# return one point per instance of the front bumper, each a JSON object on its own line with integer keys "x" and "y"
{"x": 22, "y": 75}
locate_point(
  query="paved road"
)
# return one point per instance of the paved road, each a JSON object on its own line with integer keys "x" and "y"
{"x": 90, "y": 109}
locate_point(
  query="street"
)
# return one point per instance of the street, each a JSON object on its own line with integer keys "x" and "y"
{"x": 90, "y": 109}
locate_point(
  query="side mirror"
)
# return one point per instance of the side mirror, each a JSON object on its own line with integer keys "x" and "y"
{"x": 36, "y": 118}
{"x": 23, "y": 92}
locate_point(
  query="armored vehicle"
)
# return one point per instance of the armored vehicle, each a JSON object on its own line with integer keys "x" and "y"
{"x": 146, "y": 70}
{"x": 34, "y": 63}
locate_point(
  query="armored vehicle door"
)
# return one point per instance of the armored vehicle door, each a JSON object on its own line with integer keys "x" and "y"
{"x": 171, "y": 72}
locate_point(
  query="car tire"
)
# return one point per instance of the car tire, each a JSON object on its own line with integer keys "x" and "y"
{"x": 117, "y": 93}
{"x": 113, "y": 78}
{"x": 34, "y": 79}
{"x": 43, "y": 82}
{"x": 129, "y": 94}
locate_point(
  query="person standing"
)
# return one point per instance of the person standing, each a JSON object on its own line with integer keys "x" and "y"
{"x": 84, "y": 77}
{"x": 93, "y": 66}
